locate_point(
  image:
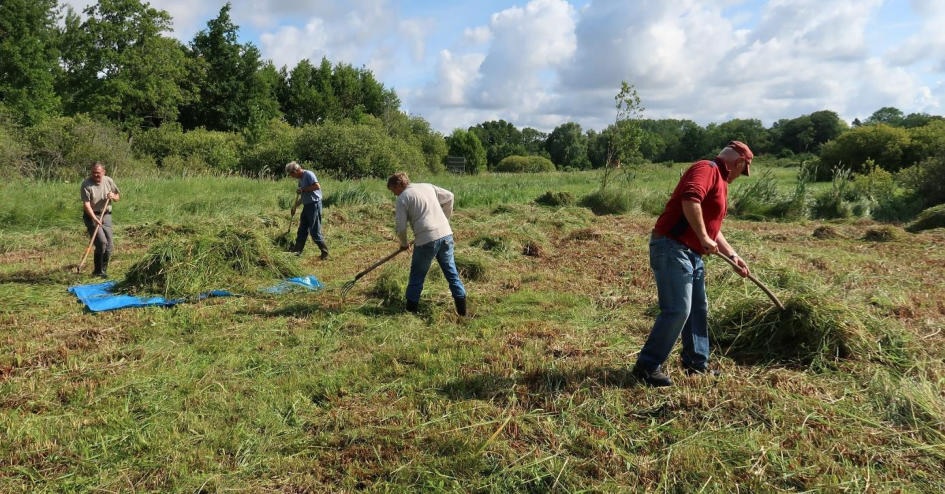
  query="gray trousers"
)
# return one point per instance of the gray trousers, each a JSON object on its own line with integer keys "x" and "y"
{"x": 103, "y": 239}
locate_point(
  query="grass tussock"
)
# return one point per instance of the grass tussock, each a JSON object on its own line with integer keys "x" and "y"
{"x": 813, "y": 331}
{"x": 933, "y": 217}
{"x": 232, "y": 258}
{"x": 555, "y": 199}
{"x": 826, "y": 232}
{"x": 389, "y": 288}
{"x": 471, "y": 268}
{"x": 885, "y": 233}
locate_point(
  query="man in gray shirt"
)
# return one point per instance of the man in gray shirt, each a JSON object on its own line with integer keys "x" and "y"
{"x": 98, "y": 192}
{"x": 427, "y": 209}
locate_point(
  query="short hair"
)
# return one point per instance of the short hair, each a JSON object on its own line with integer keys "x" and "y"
{"x": 398, "y": 179}
{"x": 292, "y": 167}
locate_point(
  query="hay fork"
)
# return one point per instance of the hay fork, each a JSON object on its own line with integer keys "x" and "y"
{"x": 349, "y": 285}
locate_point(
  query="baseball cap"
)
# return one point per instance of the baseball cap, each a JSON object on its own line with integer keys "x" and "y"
{"x": 742, "y": 149}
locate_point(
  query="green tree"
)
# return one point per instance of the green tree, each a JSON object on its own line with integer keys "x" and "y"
{"x": 29, "y": 59}
{"x": 887, "y": 115}
{"x": 119, "y": 66}
{"x": 500, "y": 138}
{"x": 533, "y": 140}
{"x": 749, "y": 131}
{"x": 466, "y": 144}
{"x": 233, "y": 91}
{"x": 567, "y": 146}
{"x": 885, "y": 145}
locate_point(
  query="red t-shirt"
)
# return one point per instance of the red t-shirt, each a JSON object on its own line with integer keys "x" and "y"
{"x": 704, "y": 183}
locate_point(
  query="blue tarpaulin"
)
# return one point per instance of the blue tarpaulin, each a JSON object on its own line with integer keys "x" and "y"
{"x": 98, "y": 297}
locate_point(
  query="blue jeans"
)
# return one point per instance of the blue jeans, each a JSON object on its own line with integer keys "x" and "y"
{"x": 310, "y": 223}
{"x": 684, "y": 308}
{"x": 440, "y": 249}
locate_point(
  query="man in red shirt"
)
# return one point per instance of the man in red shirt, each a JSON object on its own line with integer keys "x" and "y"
{"x": 690, "y": 227}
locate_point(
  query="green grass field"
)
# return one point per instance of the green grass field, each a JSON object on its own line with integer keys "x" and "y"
{"x": 309, "y": 392}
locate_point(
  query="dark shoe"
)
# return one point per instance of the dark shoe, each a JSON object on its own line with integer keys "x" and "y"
{"x": 654, "y": 377}
{"x": 695, "y": 371}
{"x": 324, "y": 255}
{"x": 460, "y": 306}
{"x": 413, "y": 307}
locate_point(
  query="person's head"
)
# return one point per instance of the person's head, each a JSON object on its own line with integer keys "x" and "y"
{"x": 293, "y": 169}
{"x": 97, "y": 172}
{"x": 737, "y": 157}
{"x": 397, "y": 182}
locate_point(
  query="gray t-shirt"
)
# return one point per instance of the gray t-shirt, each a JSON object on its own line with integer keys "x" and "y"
{"x": 97, "y": 193}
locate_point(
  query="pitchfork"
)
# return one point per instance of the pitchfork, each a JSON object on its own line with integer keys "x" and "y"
{"x": 349, "y": 285}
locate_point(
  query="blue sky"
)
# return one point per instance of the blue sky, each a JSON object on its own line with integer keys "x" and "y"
{"x": 542, "y": 63}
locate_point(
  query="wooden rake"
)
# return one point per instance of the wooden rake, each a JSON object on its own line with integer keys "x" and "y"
{"x": 78, "y": 269}
{"x": 349, "y": 285}
{"x": 761, "y": 285}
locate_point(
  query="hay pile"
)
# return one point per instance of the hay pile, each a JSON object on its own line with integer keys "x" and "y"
{"x": 813, "y": 331}
{"x": 184, "y": 265}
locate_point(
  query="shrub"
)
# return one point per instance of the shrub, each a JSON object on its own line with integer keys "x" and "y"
{"x": 274, "y": 147}
{"x": 14, "y": 154}
{"x": 63, "y": 148}
{"x": 525, "y": 164}
{"x": 926, "y": 180}
{"x": 220, "y": 151}
{"x": 349, "y": 150}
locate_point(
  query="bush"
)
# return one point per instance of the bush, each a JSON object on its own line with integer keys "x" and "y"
{"x": 220, "y": 151}
{"x": 525, "y": 164}
{"x": 63, "y": 148}
{"x": 275, "y": 146}
{"x": 926, "y": 180}
{"x": 14, "y": 154}
{"x": 349, "y": 150}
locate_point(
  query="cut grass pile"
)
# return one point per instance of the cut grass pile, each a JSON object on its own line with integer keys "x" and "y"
{"x": 814, "y": 330}
{"x": 186, "y": 265}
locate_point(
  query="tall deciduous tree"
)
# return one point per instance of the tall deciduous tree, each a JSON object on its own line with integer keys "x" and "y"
{"x": 567, "y": 146}
{"x": 28, "y": 59}
{"x": 234, "y": 92}
{"x": 500, "y": 138}
{"x": 466, "y": 144}
{"x": 118, "y": 64}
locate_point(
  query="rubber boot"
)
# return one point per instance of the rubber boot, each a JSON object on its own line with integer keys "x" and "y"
{"x": 460, "y": 305}
{"x": 324, "y": 249}
{"x": 97, "y": 260}
{"x": 412, "y": 307}
{"x": 106, "y": 256}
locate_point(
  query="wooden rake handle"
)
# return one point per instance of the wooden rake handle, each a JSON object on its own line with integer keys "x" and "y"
{"x": 94, "y": 234}
{"x": 374, "y": 266}
{"x": 761, "y": 285}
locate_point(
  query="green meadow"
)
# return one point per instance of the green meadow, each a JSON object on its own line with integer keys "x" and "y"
{"x": 310, "y": 391}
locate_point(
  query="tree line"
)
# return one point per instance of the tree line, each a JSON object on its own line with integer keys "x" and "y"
{"x": 110, "y": 85}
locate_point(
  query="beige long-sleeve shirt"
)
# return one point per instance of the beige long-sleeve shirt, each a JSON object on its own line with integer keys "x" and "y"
{"x": 427, "y": 209}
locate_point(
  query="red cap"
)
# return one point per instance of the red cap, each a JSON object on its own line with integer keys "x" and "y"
{"x": 742, "y": 149}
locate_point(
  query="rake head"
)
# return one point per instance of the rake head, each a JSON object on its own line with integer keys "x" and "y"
{"x": 347, "y": 287}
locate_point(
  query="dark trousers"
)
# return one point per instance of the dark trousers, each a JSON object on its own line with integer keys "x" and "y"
{"x": 310, "y": 224}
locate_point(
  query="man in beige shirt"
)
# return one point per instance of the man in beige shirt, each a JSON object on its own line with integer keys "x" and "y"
{"x": 426, "y": 208}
